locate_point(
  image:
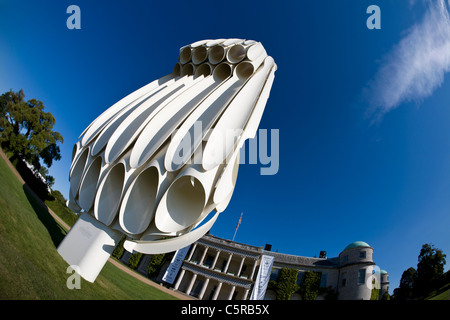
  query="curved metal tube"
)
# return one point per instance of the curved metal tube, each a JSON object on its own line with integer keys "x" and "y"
{"x": 97, "y": 125}
{"x": 131, "y": 127}
{"x": 199, "y": 54}
{"x": 185, "y": 199}
{"x": 143, "y": 194}
{"x": 108, "y": 197}
{"x": 77, "y": 172}
{"x": 169, "y": 245}
{"x": 229, "y": 127}
{"x": 131, "y": 170}
{"x": 161, "y": 126}
{"x": 205, "y": 114}
{"x": 88, "y": 185}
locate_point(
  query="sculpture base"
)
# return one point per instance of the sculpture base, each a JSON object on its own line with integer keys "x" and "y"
{"x": 88, "y": 245}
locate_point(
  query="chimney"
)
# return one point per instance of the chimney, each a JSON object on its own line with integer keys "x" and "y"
{"x": 268, "y": 247}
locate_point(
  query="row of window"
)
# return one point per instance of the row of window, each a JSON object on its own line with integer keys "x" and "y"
{"x": 361, "y": 277}
{"x": 362, "y": 255}
{"x": 220, "y": 266}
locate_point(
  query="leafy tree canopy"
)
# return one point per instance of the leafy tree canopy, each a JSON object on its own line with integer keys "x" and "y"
{"x": 407, "y": 282}
{"x": 430, "y": 268}
{"x": 286, "y": 283}
{"x": 416, "y": 284}
{"x": 27, "y": 130}
{"x": 310, "y": 285}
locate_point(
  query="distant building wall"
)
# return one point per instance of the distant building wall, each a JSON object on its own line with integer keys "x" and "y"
{"x": 219, "y": 269}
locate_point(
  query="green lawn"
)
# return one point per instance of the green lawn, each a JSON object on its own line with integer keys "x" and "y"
{"x": 30, "y": 266}
{"x": 440, "y": 294}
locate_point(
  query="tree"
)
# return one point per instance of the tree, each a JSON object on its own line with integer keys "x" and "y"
{"x": 375, "y": 293}
{"x": 155, "y": 264}
{"x": 286, "y": 283}
{"x": 309, "y": 288}
{"x": 407, "y": 283}
{"x": 119, "y": 249}
{"x": 27, "y": 130}
{"x": 430, "y": 269}
{"x": 134, "y": 260}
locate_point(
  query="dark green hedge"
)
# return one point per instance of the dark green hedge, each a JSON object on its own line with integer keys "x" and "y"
{"x": 286, "y": 283}
{"x": 309, "y": 288}
{"x": 134, "y": 260}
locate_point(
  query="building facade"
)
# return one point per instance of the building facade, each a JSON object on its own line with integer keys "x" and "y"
{"x": 219, "y": 269}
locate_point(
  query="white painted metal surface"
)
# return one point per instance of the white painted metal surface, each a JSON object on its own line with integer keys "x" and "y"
{"x": 155, "y": 165}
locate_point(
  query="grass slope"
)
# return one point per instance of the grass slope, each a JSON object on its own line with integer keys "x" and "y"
{"x": 442, "y": 293}
{"x": 30, "y": 266}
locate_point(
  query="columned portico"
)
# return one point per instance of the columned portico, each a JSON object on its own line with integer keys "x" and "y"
{"x": 217, "y": 270}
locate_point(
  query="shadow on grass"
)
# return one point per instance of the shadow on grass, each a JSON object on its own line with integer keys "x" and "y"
{"x": 57, "y": 233}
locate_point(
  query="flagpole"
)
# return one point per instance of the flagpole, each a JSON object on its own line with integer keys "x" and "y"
{"x": 234, "y": 234}
{"x": 237, "y": 227}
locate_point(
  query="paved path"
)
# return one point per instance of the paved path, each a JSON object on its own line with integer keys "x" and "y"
{"x": 119, "y": 265}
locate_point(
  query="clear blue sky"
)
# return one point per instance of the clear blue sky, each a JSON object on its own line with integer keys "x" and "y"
{"x": 345, "y": 174}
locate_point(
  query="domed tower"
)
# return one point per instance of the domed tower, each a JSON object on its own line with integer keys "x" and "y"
{"x": 384, "y": 279}
{"x": 356, "y": 267}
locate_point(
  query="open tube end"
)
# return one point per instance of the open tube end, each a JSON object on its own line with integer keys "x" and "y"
{"x": 199, "y": 54}
{"x": 176, "y": 70}
{"x": 77, "y": 172}
{"x": 203, "y": 69}
{"x": 108, "y": 197}
{"x": 216, "y": 54}
{"x": 138, "y": 205}
{"x": 88, "y": 186}
{"x": 244, "y": 70}
{"x": 185, "y": 55}
{"x": 181, "y": 206}
{"x": 236, "y": 53}
{"x": 222, "y": 72}
{"x": 187, "y": 69}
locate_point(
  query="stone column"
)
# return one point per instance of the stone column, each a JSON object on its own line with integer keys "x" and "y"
{"x": 215, "y": 259}
{"x": 180, "y": 277}
{"x": 240, "y": 267}
{"x": 216, "y": 293}
{"x": 203, "y": 256}
{"x": 192, "y": 252}
{"x": 244, "y": 297}
{"x": 228, "y": 263}
{"x": 253, "y": 270}
{"x": 202, "y": 292}
{"x": 191, "y": 284}
{"x": 230, "y": 295}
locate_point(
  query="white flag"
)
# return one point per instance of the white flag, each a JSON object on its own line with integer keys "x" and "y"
{"x": 262, "y": 279}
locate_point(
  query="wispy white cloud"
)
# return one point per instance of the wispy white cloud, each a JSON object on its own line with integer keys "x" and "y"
{"x": 416, "y": 66}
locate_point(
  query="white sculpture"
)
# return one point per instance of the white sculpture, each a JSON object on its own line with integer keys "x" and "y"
{"x": 155, "y": 165}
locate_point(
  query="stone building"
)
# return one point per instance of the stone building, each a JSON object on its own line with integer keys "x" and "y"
{"x": 219, "y": 269}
